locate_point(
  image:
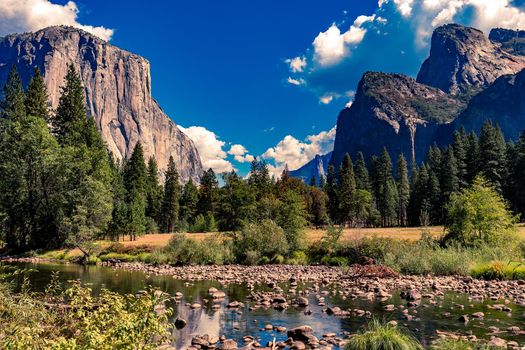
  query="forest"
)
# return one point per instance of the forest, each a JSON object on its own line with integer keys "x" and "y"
{"x": 60, "y": 187}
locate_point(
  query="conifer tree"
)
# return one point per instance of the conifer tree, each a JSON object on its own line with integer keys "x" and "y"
{"x": 361, "y": 173}
{"x": 208, "y": 194}
{"x": 331, "y": 192}
{"x": 135, "y": 183}
{"x": 188, "y": 202}
{"x": 492, "y": 155}
{"x": 12, "y": 106}
{"x": 170, "y": 201}
{"x": 119, "y": 216}
{"x": 346, "y": 190}
{"x": 473, "y": 159}
{"x": 37, "y": 100}
{"x": 153, "y": 191}
{"x": 70, "y": 116}
{"x": 460, "y": 147}
{"x": 403, "y": 190}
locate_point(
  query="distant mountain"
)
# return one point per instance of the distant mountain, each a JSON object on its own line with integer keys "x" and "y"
{"x": 467, "y": 79}
{"x": 317, "y": 168}
{"x": 118, "y": 91}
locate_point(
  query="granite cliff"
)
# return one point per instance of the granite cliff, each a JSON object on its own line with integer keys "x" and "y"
{"x": 468, "y": 78}
{"x": 118, "y": 92}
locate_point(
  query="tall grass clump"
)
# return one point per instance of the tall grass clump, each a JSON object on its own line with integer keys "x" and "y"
{"x": 378, "y": 336}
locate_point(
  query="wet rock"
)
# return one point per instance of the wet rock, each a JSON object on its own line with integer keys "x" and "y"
{"x": 497, "y": 342}
{"x": 180, "y": 323}
{"x": 302, "y": 301}
{"x": 463, "y": 319}
{"x": 229, "y": 344}
{"x": 195, "y": 306}
{"x": 298, "y": 345}
{"x": 302, "y": 333}
{"x": 478, "y": 315}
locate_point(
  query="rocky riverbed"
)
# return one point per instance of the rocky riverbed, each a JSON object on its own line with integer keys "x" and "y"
{"x": 275, "y": 298}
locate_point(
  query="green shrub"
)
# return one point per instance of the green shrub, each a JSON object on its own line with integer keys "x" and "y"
{"x": 498, "y": 270}
{"x": 377, "y": 336}
{"x": 298, "y": 258}
{"x": 204, "y": 223}
{"x": 212, "y": 250}
{"x": 479, "y": 216}
{"x": 158, "y": 257}
{"x": 257, "y": 240}
{"x": 118, "y": 256}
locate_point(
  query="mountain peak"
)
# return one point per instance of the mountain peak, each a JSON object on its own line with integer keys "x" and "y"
{"x": 463, "y": 60}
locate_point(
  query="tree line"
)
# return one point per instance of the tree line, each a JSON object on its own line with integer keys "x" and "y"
{"x": 59, "y": 186}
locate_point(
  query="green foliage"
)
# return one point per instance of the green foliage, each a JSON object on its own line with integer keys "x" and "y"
{"x": 36, "y": 99}
{"x": 153, "y": 193}
{"x": 377, "y": 336}
{"x": 12, "y": 107}
{"x": 292, "y": 219}
{"x": 188, "y": 202}
{"x": 346, "y": 191}
{"x": 258, "y": 240}
{"x": 79, "y": 320}
{"x": 213, "y": 250}
{"x": 498, "y": 270}
{"x": 170, "y": 204}
{"x": 478, "y": 216}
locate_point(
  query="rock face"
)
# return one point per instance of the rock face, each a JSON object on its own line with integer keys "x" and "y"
{"x": 395, "y": 111}
{"x": 467, "y": 79}
{"x": 317, "y": 168}
{"x": 503, "y": 103}
{"x": 118, "y": 92}
{"x": 464, "y": 60}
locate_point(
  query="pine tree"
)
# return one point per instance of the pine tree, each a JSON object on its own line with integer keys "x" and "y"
{"x": 119, "y": 216}
{"x": 135, "y": 183}
{"x": 237, "y": 203}
{"x": 460, "y": 147}
{"x": 434, "y": 158}
{"x": 153, "y": 191}
{"x": 473, "y": 159}
{"x": 259, "y": 179}
{"x": 208, "y": 194}
{"x": 37, "y": 101}
{"x": 135, "y": 171}
{"x": 331, "y": 192}
{"x": 403, "y": 190}
{"x": 188, "y": 202}
{"x": 170, "y": 203}
{"x": 361, "y": 173}
{"x": 68, "y": 121}
{"x": 516, "y": 172}
{"x": 492, "y": 155}
{"x": 449, "y": 179}
{"x": 12, "y": 106}
{"x": 386, "y": 189}
{"x": 346, "y": 191}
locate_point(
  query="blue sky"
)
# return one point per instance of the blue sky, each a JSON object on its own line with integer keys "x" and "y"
{"x": 266, "y": 77}
{"x": 221, "y": 64}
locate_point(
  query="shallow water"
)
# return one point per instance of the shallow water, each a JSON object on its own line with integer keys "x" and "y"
{"x": 235, "y": 324}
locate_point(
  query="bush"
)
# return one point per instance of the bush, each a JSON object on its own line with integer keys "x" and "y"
{"x": 298, "y": 258}
{"x": 377, "y": 336}
{"x": 79, "y": 320}
{"x": 257, "y": 240}
{"x": 479, "y": 216}
{"x": 498, "y": 270}
{"x": 212, "y": 250}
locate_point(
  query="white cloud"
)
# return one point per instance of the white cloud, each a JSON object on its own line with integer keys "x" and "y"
{"x": 209, "y": 147}
{"x": 332, "y": 45}
{"x": 295, "y": 153}
{"x": 240, "y": 154}
{"x": 326, "y": 99}
{"x": 297, "y": 64}
{"x": 349, "y": 104}
{"x": 396, "y": 38}
{"x": 18, "y": 16}
{"x": 297, "y": 82}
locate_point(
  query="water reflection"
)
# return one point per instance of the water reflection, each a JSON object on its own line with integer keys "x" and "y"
{"x": 236, "y": 323}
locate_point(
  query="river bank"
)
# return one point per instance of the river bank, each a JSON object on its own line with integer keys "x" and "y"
{"x": 234, "y": 305}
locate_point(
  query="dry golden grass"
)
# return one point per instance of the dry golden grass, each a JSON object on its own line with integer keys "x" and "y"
{"x": 406, "y": 233}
